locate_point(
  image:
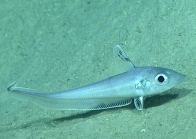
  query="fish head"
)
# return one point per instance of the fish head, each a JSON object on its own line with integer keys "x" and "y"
{"x": 158, "y": 80}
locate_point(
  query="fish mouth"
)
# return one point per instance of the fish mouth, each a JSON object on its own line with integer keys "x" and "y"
{"x": 182, "y": 77}
{"x": 179, "y": 79}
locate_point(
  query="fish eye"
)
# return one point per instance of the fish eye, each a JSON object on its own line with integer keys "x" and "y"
{"x": 161, "y": 79}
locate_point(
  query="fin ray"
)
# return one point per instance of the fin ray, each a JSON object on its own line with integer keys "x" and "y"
{"x": 120, "y": 55}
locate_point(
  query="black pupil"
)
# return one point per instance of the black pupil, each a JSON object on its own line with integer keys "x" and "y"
{"x": 161, "y": 79}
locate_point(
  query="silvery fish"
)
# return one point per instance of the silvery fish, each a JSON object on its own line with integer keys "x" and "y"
{"x": 117, "y": 91}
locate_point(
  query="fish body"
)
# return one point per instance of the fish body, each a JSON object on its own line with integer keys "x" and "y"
{"x": 116, "y": 91}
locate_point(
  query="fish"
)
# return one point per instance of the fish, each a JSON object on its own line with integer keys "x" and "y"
{"x": 136, "y": 83}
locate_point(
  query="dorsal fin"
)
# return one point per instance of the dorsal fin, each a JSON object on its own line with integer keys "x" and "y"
{"x": 120, "y": 55}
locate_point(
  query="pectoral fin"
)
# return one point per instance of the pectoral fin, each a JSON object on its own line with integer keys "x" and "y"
{"x": 139, "y": 103}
